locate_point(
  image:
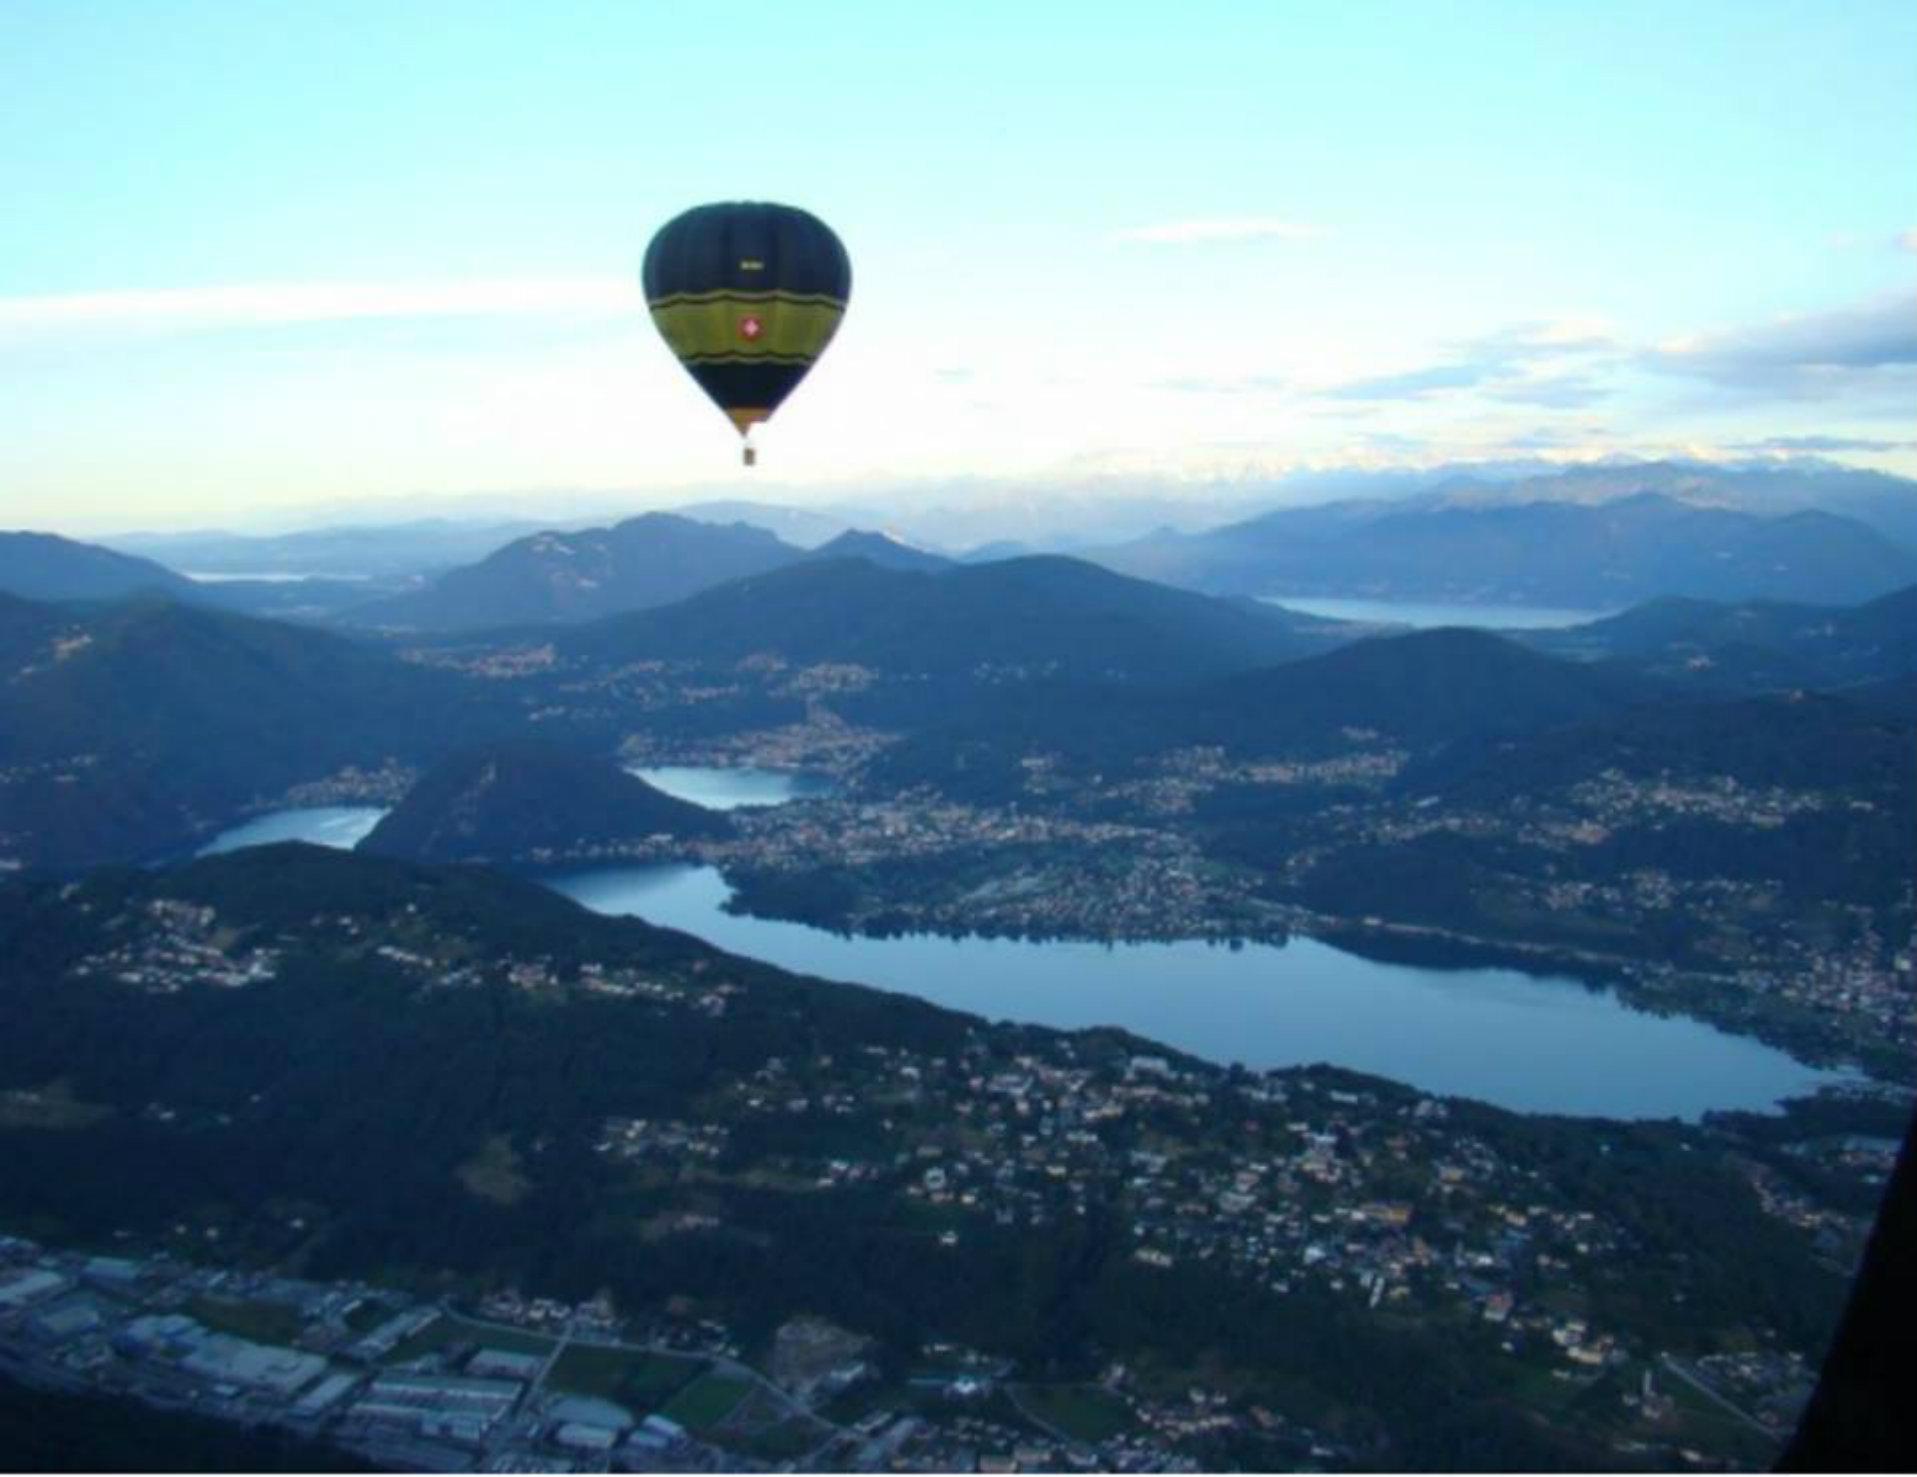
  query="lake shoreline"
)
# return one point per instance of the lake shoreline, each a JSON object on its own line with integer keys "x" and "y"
{"x": 1270, "y": 1006}
{"x": 1280, "y": 990}
{"x": 1717, "y": 1000}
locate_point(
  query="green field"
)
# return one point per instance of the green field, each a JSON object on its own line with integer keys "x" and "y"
{"x": 1083, "y": 1412}
{"x": 368, "y": 1316}
{"x": 780, "y": 1443}
{"x": 633, "y": 1378}
{"x": 1701, "y": 1420}
{"x": 264, "y": 1323}
{"x": 706, "y": 1401}
{"x": 447, "y": 1329}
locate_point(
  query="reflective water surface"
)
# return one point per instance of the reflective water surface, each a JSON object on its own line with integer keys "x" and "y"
{"x": 342, "y": 826}
{"x": 1423, "y": 613}
{"x": 1536, "y": 1043}
{"x": 729, "y": 789}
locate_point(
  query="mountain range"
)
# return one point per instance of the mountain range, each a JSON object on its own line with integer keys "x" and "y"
{"x": 1012, "y": 620}
{"x": 1752, "y": 646}
{"x": 1600, "y": 556}
{"x": 550, "y": 576}
{"x": 133, "y": 729}
{"x": 1600, "y": 536}
{"x": 1419, "y": 692}
{"x": 44, "y": 566}
{"x": 345, "y": 551}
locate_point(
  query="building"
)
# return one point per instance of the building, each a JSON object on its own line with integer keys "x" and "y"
{"x": 226, "y": 1360}
{"x": 578, "y": 1436}
{"x": 33, "y": 1285}
{"x": 65, "y": 1320}
{"x": 503, "y": 1364}
{"x": 460, "y": 1408}
{"x": 325, "y": 1395}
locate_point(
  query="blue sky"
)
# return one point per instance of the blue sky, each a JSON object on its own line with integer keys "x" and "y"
{"x": 265, "y": 257}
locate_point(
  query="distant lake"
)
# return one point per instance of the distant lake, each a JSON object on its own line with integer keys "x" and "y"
{"x": 729, "y": 789}
{"x": 1423, "y": 613}
{"x": 1532, "y": 1043}
{"x": 264, "y": 577}
{"x": 341, "y": 826}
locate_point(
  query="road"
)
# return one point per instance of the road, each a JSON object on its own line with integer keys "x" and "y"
{"x": 1710, "y": 1393}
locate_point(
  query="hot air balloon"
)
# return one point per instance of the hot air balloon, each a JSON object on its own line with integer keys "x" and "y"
{"x": 747, "y": 295}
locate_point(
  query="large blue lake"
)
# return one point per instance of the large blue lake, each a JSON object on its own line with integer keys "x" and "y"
{"x": 1537, "y": 1043}
{"x": 1425, "y": 613}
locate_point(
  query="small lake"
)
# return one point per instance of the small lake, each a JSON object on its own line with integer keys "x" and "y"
{"x": 1528, "y": 1042}
{"x": 341, "y": 826}
{"x": 731, "y": 789}
{"x": 1425, "y": 613}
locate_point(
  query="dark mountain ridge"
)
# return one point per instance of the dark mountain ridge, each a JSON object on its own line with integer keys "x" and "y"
{"x": 557, "y": 578}
{"x": 881, "y": 549}
{"x": 134, "y": 729}
{"x": 525, "y": 802}
{"x": 44, "y": 566}
{"x": 1419, "y": 692}
{"x": 343, "y": 551}
{"x": 1752, "y": 646}
{"x": 1040, "y": 616}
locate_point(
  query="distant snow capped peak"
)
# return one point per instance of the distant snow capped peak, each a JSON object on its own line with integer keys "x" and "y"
{"x": 1596, "y": 483}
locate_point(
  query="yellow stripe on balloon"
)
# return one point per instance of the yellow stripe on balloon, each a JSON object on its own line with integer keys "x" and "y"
{"x": 747, "y": 326}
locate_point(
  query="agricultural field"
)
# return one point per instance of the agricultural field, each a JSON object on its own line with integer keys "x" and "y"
{"x": 640, "y": 1381}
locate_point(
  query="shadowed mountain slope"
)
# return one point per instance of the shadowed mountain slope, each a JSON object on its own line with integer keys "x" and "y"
{"x": 136, "y": 728}
{"x": 1020, "y": 618}
{"x": 883, "y": 550}
{"x": 44, "y": 566}
{"x": 529, "y": 802}
{"x": 1419, "y": 693}
{"x": 549, "y": 578}
{"x": 1753, "y": 646}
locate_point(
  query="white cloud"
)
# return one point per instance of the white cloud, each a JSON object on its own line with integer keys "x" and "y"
{"x": 1820, "y": 444}
{"x": 1192, "y": 233}
{"x": 1907, "y": 240}
{"x": 1576, "y": 333}
{"x": 1521, "y": 362}
{"x": 1801, "y": 351}
{"x": 273, "y": 303}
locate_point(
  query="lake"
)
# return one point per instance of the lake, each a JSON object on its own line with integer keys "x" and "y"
{"x": 261, "y": 577}
{"x": 1529, "y": 1042}
{"x": 1426, "y": 613}
{"x": 1533, "y": 1043}
{"x": 730, "y": 789}
{"x": 341, "y": 826}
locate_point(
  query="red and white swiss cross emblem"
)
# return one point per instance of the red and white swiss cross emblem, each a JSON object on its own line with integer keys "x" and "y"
{"x": 750, "y": 328}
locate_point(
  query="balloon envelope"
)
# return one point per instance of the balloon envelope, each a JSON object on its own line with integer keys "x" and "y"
{"x": 747, "y": 295}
